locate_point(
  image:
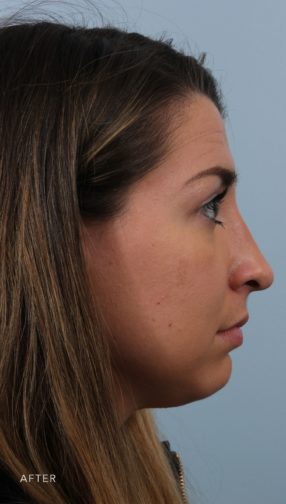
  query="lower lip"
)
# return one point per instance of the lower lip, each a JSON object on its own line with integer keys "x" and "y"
{"x": 233, "y": 336}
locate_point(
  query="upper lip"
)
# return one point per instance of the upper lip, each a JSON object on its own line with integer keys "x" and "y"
{"x": 240, "y": 323}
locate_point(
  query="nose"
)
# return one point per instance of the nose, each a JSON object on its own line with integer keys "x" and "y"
{"x": 250, "y": 268}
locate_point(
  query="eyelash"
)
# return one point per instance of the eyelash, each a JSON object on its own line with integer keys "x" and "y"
{"x": 213, "y": 206}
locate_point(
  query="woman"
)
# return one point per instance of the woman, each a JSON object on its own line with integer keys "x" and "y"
{"x": 125, "y": 264}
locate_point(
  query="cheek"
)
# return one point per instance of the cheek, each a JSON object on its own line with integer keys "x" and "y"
{"x": 188, "y": 275}
{"x": 164, "y": 298}
{"x": 164, "y": 326}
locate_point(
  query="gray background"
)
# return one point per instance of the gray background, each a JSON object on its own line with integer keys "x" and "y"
{"x": 233, "y": 444}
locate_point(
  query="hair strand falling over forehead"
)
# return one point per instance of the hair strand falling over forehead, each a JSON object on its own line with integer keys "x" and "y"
{"x": 84, "y": 114}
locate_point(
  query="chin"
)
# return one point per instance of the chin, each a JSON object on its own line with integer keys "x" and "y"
{"x": 198, "y": 385}
{"x": 215, "y": 379}
{"x": 207, "y": 382}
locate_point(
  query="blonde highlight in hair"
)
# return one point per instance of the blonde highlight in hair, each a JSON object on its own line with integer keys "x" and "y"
{"x": 81, "y": 119}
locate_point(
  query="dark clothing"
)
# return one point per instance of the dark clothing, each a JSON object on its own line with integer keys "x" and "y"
{"x": 11, "y": 491}
{"x": 173, "y": 460}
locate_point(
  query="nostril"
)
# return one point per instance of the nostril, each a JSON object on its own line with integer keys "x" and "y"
{"x": 254, "y": 284}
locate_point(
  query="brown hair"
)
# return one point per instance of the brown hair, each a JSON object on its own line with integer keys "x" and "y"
{"x": 83, "y": 115}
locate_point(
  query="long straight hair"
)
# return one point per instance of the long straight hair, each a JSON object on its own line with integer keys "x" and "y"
{"x": 84, "y": 113}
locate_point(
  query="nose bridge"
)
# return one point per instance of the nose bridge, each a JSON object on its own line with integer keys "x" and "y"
{"x": 250, "y": 266}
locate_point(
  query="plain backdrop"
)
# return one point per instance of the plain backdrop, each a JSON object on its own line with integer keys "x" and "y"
{"x": 232, "y": 444}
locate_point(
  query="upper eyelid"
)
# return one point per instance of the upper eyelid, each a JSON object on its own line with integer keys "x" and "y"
{"x": 219, "y": 195}
{"x": 222, "y": 194}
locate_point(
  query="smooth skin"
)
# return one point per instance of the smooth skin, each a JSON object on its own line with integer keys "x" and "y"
{"x": 170, "y": 277}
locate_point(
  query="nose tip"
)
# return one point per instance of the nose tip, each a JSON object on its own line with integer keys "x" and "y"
{"x": 253, "y": 272}
{"x": 263, "y": 277}
{"x": 268, "y": 277}
{"x": 252, "y": 269}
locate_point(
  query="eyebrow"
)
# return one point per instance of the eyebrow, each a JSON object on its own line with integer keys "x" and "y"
{"x": 227, "y": 176}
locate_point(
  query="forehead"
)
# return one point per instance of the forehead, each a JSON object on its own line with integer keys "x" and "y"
{"x": 196, "y": 142}
{"x": 197, "y": 124}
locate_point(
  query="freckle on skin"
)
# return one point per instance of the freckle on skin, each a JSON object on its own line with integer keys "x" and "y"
{"x": 158, "y": 302}
{"x": 170, "y": 325}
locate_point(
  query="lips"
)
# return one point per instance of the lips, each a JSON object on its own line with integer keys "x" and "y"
{"x": 240, "y": 323}
{"x": 232, "y": 336}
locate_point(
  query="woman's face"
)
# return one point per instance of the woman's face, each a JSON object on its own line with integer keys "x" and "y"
{"x": 170, "y": 277}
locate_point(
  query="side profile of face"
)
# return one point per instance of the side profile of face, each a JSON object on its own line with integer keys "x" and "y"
{"x": 175, "y": 269}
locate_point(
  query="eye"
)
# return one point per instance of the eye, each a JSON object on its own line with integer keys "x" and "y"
{"x": 211, "y": 209}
